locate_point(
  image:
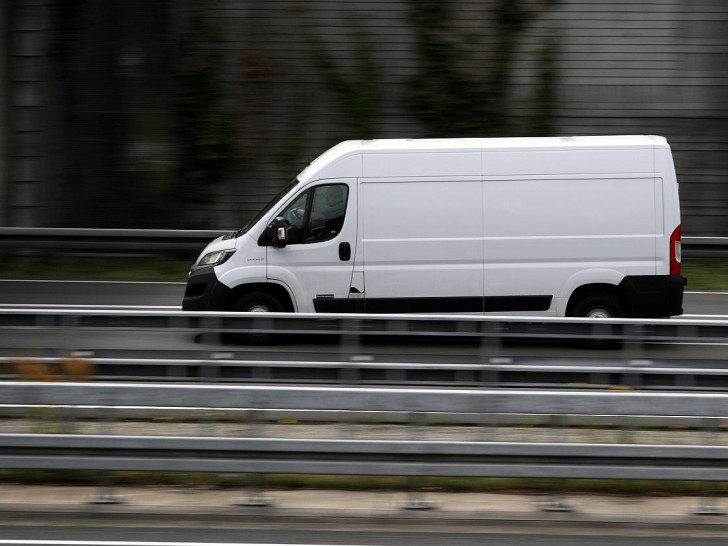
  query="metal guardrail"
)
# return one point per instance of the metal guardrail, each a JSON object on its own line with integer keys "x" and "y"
{"x": 173, "y": 240}
{"x": 470, "y": 402}
{"x": 259, "y": 454}
{"x": 347, "y": 365}
{"x": 705, "y": 247}
{"x": 142, "y": 240}
{"x": 364, "y": 457}
{"x": 366, "y": 325}
{"x": 232, "y": 367}
{"x": 108, "y": 240}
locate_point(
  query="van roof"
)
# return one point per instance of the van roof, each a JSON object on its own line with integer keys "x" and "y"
{"x": 354, "y": 147}
{"x": 412, "y": 144}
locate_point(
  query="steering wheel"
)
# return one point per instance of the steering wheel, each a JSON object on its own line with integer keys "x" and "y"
{"x": 294, "y": 217}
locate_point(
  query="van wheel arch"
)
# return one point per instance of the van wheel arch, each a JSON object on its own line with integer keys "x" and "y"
{"x": 244, "y": 290}
{"x": 595, "y": 293}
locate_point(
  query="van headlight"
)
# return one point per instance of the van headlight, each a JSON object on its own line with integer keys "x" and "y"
{"x": 214, "y": 258}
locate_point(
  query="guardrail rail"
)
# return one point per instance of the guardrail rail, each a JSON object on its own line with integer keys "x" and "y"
{"x": 349, "y": 362}
{"x": 403, "y": 457}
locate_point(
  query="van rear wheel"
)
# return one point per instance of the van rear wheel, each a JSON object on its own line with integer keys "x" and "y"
{"x": 598, "y": 305}
{"x": 257, "y": 302}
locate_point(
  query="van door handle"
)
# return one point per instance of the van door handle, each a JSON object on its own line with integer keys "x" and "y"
{"x": 344, "y": 252}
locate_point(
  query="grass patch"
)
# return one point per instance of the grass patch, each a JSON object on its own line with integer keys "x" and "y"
{"x": 98, "y": 268}
{"x": 363, "y": 483}
{"x": 706, "y": 273}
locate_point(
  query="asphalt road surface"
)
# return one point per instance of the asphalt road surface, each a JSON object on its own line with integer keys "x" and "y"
{"x": 187, "y": 534}
{"x": 169, "y": 295}
{"x": 92, "y": 293}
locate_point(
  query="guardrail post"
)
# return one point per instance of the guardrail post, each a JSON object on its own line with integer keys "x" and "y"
{"x": 68, "y": 333}
{"x": 210, "y": 371}
{"x": 256, "y": 481}
{"x": 708, "y": 505}
{"x": 211, "y": 331}
{"x": 490, "y": 346}
{"x": 491, "y": 339}
{"x": 207, "y": 421}
{"x": 487, "y": 427}
{"x": 350, "y": 349}
{"x": 558, "y": 503}
{"x": 347, "y": 425}
{"x": 626, "y": 427}
{"x": 106, "y": 493}
{"x": 415, "y": 496}
{"x": 633, "y": 353}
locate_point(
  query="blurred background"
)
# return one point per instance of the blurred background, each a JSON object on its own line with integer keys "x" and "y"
{"x": 191, "y": 114}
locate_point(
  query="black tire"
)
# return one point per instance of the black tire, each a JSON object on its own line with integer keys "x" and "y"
{"x": 257, "y": 302}
{"x": 599, "y": 305}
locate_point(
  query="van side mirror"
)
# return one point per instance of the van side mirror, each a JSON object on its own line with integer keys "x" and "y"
{"x": 277, "y": 233}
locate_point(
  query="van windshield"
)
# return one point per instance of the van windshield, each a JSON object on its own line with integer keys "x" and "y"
{"x": 267, "y": 208}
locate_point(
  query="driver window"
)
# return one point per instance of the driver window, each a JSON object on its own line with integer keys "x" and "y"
{"x": 317, "y": 214}
{"x": 327, "y": 212}
{"x": 295, "y": 216}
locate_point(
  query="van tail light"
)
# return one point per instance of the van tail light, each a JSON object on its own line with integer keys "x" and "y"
{"x": 675, "y": 251}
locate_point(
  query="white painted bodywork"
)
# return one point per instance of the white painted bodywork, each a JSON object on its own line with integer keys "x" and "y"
{"x": 476, "y": 217}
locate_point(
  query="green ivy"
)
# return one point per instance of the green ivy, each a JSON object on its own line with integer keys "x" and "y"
{"x": 540, "y": 121}
{"x": 204, "y": 130}
{"x": 445, "y": 97}
{"x": 357, "y": 93}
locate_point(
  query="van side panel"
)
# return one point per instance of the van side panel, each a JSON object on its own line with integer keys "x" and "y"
{"x": 572, "y": 161}
{"x": 422, "y": 245}
{"x": 429, "y": 164}
{"x": 543, "y": 231}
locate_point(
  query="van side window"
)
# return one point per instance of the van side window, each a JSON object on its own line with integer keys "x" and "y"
{"x": 316, "y": 215}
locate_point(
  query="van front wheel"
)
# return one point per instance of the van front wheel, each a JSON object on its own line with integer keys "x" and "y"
{"x": 257, "y": 302}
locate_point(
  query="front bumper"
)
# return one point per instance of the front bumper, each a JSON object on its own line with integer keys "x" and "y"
{"x": 204, "y": 292}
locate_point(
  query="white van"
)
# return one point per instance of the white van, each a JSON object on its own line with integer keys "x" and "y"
{"x": 576, "y": 226}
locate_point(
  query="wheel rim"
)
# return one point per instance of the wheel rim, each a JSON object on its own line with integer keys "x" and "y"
{"x": 599, "y": 312}
{"x": 258, "y": 308}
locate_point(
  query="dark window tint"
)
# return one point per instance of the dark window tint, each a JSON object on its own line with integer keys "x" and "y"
{"x": 316, "y": 215}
